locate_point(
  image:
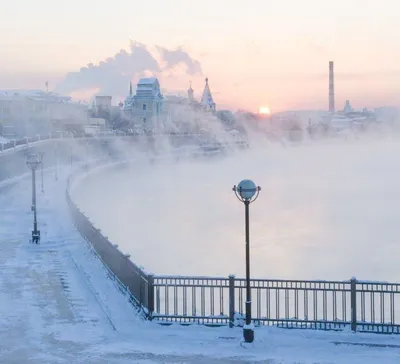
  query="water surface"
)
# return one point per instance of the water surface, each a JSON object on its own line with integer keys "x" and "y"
{"x": 326, "y": 211}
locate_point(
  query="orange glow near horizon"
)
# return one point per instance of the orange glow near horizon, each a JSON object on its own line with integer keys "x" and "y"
{"x": 264, "y": 110}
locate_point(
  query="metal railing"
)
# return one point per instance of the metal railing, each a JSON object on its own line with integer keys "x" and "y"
{"x": 130, "y": 279}
{"x": 308, "y": 304}
{"x": 327, "y": 305}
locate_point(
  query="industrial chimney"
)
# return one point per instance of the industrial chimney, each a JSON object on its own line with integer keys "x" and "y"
{"x": 331, "y": 88}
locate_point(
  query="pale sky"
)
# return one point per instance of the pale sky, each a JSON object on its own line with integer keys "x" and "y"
{"x": 255, "y": 52}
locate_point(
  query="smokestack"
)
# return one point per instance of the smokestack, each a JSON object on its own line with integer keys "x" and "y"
{"x": 331, "y": 88}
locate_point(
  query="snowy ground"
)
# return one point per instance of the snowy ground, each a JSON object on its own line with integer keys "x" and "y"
{"x": 58, "y": 306}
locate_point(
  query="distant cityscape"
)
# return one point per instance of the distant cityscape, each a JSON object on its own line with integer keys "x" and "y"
{"x": 147, "y": 110}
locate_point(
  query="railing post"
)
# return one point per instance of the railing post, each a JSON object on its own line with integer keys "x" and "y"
{"x": 353, "y": 303}
{"x": 150, "y": 296}
{"x": 140, "y": 291}
{"x": 231, "y": 300}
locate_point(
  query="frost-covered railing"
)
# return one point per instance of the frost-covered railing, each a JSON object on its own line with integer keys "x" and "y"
{"x": 308, "y": 304}
{"x": 327, "y": 305}
{"x": 132, "y": 280}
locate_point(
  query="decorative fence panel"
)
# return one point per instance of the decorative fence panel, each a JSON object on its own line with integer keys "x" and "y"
{"x": 327, "y": 305}
{"x": 192, "y": 299}
{"x": 305, "y": 304}
{"x": 378, "y": 306}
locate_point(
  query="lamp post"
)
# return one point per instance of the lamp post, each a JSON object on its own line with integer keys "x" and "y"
{"x": 56, "y": 174}
{"x": 247, "y": 192}
{"x": 70, "y": 149}
{"x": 33, "y": 163}
{"x": 41, "y": 171}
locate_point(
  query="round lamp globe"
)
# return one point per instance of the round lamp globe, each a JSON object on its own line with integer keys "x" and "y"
{"x": 33, "y": 161}
{"x": 247, "y": 189}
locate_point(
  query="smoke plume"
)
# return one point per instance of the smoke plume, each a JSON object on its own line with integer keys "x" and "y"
{"x": 112, "y": 76}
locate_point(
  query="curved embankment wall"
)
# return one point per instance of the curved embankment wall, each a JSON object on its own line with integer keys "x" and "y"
{"x": 57, "y": 149}
{"x": 132, "y": 280}
{"x": 13, "y": 161}
{"x": 13, "y": 154}
{"x": 60, "y": 151}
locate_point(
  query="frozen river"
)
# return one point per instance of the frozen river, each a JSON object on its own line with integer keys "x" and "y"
{"x": 325, "y": 212}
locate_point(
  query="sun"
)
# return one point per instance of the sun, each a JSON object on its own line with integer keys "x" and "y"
{"x": 264, "y": 110}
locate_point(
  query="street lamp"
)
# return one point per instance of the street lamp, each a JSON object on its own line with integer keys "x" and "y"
{"x": 70, "y": 148}
{"x": 247, "y": 192}
{"x": 56, "y": 174}
{"x": 41, "y": 170}
{"x": 33, "y": 163}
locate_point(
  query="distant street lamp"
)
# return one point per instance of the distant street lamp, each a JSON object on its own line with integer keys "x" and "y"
{"x": 70, "y": 148}
{"x": 247, "y": 192}
{"x": 56, "y": 174}
{"x": 41, "y": 170}
{"x": 33, "y": 163}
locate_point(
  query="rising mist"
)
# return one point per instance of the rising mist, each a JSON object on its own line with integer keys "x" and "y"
{"x": 327, "y": 210}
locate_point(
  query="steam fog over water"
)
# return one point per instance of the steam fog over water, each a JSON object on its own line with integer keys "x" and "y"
{"x": 326, "y": 211}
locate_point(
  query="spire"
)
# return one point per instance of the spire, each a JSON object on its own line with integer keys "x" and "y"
{"x": 190, "y": 92}
{"x": 207, "y": 100}
{"x": 130, "y": 88}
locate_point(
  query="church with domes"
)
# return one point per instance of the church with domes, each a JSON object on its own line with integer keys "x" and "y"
{"x": 148, "y": 109}
{"x": 207, "y": 102}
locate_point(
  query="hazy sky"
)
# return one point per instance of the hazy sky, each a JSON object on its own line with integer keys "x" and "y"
{"x": 259, "y": 52}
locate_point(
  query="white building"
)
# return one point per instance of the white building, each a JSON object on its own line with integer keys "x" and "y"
{"x": 145, "y": 107}
{"x": 28, "y": 112}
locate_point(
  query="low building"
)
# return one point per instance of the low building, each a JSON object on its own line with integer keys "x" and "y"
{"x": 387, "y": 114}
{"x": 26, "y": 113}
{"x": 102, "y": 105}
